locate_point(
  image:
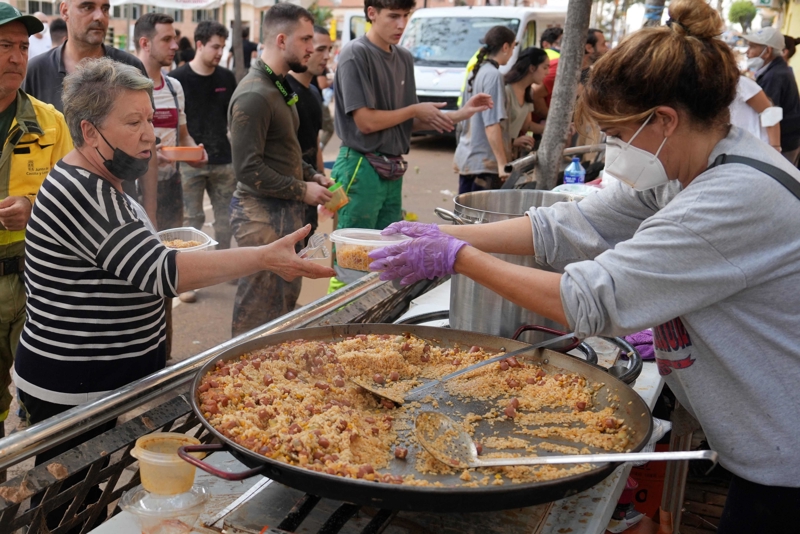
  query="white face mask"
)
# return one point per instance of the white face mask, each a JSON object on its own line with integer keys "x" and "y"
{"x": 636, "y": 167}
{"x": 755, "y": 63}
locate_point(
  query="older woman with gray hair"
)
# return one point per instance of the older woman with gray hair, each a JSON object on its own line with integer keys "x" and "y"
{"x": 96, "y": 274}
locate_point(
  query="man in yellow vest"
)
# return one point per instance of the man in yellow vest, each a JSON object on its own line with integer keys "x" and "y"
{"x": 35, "y": 138}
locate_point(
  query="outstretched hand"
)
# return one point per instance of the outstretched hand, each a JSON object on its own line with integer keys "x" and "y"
{"x": 479, "y": 102}
{"x": 412, "y": 229}
{"x": 417, "y": 259}
{"x": 280, "y": 258}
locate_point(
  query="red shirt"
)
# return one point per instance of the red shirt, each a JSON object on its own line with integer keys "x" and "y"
{"x": 550, "y": 80}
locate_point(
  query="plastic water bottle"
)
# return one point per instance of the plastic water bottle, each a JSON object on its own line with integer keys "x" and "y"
{"x": 575, "y": 173}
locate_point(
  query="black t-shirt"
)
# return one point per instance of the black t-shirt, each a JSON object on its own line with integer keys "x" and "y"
{"x": 309, "y": 108}
{"x": 184, "y": 56}
{"x": 207, "y": 99}
{"x": 315, "y": 82}
{"x": 248, "y": 47}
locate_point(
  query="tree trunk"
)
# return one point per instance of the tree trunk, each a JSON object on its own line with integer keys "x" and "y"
{"x": 653, "y": 9}
{"x": 613, "y": 35}
{"x": 238, "y": 51}
{"x": 624, "y": 30}
{"x": 560, "y": 115}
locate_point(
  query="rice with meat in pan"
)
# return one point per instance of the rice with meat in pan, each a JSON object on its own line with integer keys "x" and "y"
{"x": 295, "y": 403}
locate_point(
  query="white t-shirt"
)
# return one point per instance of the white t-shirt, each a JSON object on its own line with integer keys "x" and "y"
{"x": 742, "y": 115}
{"x": 38, "y": 46}
{"x": 167, "y": 118}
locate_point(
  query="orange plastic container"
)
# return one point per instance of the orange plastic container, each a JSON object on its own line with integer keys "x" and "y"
{"x": 182, "y": 153}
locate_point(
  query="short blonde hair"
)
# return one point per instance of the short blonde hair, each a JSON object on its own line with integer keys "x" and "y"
{"x": 90, "y": 92}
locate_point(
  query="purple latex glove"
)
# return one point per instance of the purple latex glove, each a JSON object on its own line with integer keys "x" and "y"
{"x": 643, "y": 342}
{"x": 418, "y": 259}
{"x": 412, "y": 229}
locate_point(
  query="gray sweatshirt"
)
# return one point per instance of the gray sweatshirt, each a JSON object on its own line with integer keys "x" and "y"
{"x": 715, "y": 269}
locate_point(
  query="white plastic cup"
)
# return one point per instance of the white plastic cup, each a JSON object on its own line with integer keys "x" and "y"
{"x": 162, "y": 471}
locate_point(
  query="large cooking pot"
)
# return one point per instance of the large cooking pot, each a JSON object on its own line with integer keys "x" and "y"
{"x": 457, "y": 498}
{"x": 474, "y": 307}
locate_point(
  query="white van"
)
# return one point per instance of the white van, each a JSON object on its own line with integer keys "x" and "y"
{"x": 355, "y": 25}
{"x": 443, "y": 40}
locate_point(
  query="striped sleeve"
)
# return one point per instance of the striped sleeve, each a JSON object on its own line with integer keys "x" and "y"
{"x": 97, "y": 223}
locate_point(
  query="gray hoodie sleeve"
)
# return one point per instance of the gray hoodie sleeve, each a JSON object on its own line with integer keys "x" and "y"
{"x": 567, "y": 232}
{"x": 646, "y": 267}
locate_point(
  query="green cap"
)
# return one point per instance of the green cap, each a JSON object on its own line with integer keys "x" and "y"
{"x": 9, "y": 13}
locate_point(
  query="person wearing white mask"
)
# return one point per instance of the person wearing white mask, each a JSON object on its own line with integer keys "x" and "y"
{"x": 697, "y": 240}
{"x": 773, "y": 74}
{"x": 39, "y": 43}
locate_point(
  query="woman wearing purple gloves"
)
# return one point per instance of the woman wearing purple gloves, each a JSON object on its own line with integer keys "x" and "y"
{"x": 699, "y": 237}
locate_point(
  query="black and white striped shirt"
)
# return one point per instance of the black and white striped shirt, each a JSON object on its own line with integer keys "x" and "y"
{"x": 96, "y": 279}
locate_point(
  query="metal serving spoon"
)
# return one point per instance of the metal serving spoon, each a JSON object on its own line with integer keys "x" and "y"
{"x": 383, "y": 393}
{"x": 447, "y": 441}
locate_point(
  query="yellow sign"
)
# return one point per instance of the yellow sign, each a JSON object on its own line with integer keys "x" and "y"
{"x": 333, "y": 30}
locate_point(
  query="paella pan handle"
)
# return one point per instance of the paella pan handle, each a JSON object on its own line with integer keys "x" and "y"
{"x": 449, "y": 216}
{"x": 634, "y": 359}
{"x": 591, "y": 357}
{"x": 184, "y": 451}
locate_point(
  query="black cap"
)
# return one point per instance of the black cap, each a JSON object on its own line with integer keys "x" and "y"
{"x": 9, "y": 13}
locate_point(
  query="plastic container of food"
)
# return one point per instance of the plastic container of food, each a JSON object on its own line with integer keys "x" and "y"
{"x": 354, "y": 244}
{"x": 185, "y": 239}
{"x": 338, "y": 199}
{"x": 182, "y": 153}
{"x": 162, "y": 471}
{"x": 165, "y": 514}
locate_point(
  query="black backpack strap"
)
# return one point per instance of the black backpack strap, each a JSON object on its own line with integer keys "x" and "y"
{"x": 783, "y": 177}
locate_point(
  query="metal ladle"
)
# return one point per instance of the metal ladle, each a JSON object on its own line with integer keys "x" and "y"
{"x": 383, "y": 393}
{"x": 447, "y": 441}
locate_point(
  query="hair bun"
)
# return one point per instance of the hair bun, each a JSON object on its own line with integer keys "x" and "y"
{"x": 695, "y": 18}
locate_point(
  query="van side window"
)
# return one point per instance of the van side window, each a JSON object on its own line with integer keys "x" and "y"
{"x": 529, "y": 39}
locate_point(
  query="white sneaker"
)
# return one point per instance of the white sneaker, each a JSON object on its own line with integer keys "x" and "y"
{"x": 188, "y": 297}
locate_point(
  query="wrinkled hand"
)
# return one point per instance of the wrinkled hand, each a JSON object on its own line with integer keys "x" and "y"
{"x": 161, "y": 159}
{"x": 524, "y": 141}
{"x": 425, "y": 258}
{"x": 430, "y": 114}
{"x": 322, "y": 180}
{"x": 15, "y": 212}
{"x": 412, "y": 229}
{"x": 316, "y": 194}
{"x": 280, "y": 258}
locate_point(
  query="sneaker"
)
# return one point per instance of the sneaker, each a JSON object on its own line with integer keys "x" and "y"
{"x": 188, "y": 297}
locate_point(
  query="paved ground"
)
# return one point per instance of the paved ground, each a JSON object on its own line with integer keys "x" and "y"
{"x": 206, "y": 323}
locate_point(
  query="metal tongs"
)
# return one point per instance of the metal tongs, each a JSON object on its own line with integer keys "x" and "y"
{"x": 316, "y": 249}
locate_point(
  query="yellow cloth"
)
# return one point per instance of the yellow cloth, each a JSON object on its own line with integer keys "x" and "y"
{"x": 552, "y": 54}
{"x": 470, "y": 65}
{"x": 335, "y": 285}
